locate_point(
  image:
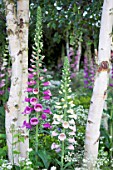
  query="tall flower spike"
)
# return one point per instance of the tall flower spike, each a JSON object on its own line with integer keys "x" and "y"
{"x": 40, "y": 111}
{"x": 64, "y": 128}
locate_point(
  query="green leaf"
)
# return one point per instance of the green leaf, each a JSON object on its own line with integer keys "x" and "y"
{"x": 44, "y": 157}
{"x": 3, "y": 136}
{"x": 68, "y": 164}
{"x": 59, "y": 163}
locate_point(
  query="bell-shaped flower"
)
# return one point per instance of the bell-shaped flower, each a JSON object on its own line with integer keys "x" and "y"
{"x": 27, "y": 125}
{"x": 31, "y": 83}
{"x": 46, "y": 83}
{"x": 43, "y": 116}
{"x": 48, "y": 111}
{"x": 54, "y": 146}
{"x": 27, "y": 110}
{"x": 65, "y": 124}
{"x": 29, "y": 90}
{"x": 35, "y": 91}
{"x": 33, "y": 101}
{"x": 54, "y": 133}
{"x": 70, "y": 147}
{"x": 47, "y": 125}
{"x": 71, "y": 140}
{"x": 47, "y": 92}
{"x": 27, "y": 99}
{"x": 73, "y": 128}
{"x": 38, "y": 108}
{"x": 72, "y": 133}
{"x": 34, "y": 121}
{"x": 62, "y": 136}
{"x": 47, "y": 97}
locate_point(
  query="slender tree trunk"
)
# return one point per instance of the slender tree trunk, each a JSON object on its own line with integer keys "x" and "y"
{"x": 23, "y": 21}
{"x": 100, "y": 88}
{"x": 18, "y": 49}
{"x": 79, "y": 51}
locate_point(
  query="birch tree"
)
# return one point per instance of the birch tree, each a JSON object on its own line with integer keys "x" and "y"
{"x": 17, "y": 19}
{"x": 100, "y": 87}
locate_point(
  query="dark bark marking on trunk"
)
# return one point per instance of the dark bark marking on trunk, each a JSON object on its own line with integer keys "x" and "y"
{"x": 89, "y": 121}
{"x": 96, "y": 140}
{"x": 104, "y": 66}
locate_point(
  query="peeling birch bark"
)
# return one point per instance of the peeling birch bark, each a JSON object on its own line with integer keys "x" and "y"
{"x": 18, "y": 49}
{"x": 100, "y": 88}
{"x": 23, "y": 22}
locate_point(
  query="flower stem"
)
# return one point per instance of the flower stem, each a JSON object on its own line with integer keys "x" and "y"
{"x": 62, "y": 156}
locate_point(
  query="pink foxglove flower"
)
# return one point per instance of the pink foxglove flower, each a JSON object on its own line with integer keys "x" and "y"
{"x": 46, "y": 97}
{"x": 31, "y": 83}
{"x": 34, "y": 121}
{"x": 54, "y": 133}
{"x": 31, "y": 69}
{"x": 43, "y": 116}
{"x": 27, "y": 125}
{"x": 71, "y": 147}
{"x": 72, "y": 133}
{"x": 29, "y": 90}
{"x": 47, "y": 92}
{"x": 35, "y": 91}
{"x": 48, "y": 111}
{"x": 57, "y": 150}
{"x": 46, "y": 83}
{"x": 38, "y": 107}
{"x": 47, "y": 125}
{"x": 2, "y": 92}
{"x": 2, "y": 75}
{"x": 54, "y": 146}
{"x": 27, "y": 99}
{"x": 27, "y": 110}
{"x": 30, "y": 76}
{"x": 62, "y": 137}
{"x": 33, "y": 100}
{"x": 71, "y": 140}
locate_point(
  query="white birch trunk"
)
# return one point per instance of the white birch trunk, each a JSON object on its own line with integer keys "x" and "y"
{"x": 19, "y": 55}
{"x": 23, "y": 21}
{"x": 79, "y": 51}
{"x": 12, "y": 107}
{"x": 100, "y": 88}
